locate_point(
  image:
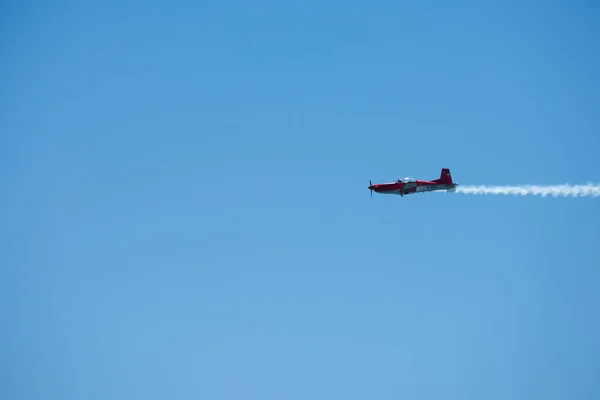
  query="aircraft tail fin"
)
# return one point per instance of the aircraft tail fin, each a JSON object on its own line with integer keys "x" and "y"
{"x": 445, "y": 177}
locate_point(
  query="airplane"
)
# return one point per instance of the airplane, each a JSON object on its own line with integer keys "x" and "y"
{"x": 409, "y": 186}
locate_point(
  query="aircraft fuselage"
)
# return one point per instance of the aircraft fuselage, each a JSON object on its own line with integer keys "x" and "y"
{"x": 416, "y": 186}
{"x": 401, "y": 189}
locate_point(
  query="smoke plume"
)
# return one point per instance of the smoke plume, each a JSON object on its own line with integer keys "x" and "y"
{"x": 588, "y": 190}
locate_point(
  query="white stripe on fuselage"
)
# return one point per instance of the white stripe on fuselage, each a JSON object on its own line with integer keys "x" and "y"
{"x": 431, "y": 188}
{"x": 426, "y": 188}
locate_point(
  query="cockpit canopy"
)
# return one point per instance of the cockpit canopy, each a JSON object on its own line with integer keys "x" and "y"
{"x": 406, "y": 180}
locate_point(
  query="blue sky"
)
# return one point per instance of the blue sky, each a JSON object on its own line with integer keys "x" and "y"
{"x": 186, "y": 215}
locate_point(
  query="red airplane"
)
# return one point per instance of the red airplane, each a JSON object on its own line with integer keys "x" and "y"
{"x": 410, "y": 186}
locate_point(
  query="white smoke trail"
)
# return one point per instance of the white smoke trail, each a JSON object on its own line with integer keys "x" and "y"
{"x": 590, "y": 189}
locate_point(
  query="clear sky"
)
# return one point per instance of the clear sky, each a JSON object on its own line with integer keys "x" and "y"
{"x": 185, "y": 212}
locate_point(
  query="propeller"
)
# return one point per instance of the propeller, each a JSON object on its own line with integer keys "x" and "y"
{"x": 370, "y": 185}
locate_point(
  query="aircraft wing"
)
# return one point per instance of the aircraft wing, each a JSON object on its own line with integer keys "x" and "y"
{"x": 408, "y": 185}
